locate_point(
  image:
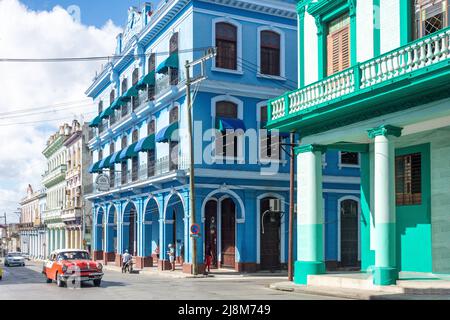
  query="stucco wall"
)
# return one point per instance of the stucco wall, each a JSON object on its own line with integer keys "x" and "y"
{"x": 390, "y": 25}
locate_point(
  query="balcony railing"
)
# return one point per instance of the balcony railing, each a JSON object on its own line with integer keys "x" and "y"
{"x": 161, "y": 167}
{"x": 393, "y": 66}
{"x": 57, "y": 173}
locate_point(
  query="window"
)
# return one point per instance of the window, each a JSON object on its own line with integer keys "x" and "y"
{"x": 338, "y": 45}
{"x": 124, "y": 89}
{"x": 100, "y": 110}
{"x": 226, "y": 43}
{"x": 151, "y": 67}
{"x": 151, "y": 153}
{"x": 173, "y": 50}
{"x": 226, "y": 142}
{"x": 124, "y": 164}
{"x": 111, "y": 168}
{"x": 408, "y": 179}
{"x": 270, "y": 53}
{"x": 349, "y": 158}
{"x": 134, "y": 160}
{"x": 134, "y": 81}
{"x": 173, "y": 145}
{"x": 112, "y": 97}
{"x": 430, "y": 16}
{"x": 270, "y": 145}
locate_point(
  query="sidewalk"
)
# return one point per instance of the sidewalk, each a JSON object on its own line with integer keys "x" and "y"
{"x": 215, "y": 273}
{"x": 411, "y": 286}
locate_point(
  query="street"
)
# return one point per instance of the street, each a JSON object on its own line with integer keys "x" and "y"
{"x": 27, "y": 283}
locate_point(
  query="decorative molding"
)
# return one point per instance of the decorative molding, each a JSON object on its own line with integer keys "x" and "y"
{"x": 385, "y": 130}
{"x": 310, "y": 148}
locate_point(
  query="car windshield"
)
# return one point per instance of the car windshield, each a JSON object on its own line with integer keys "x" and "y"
{"x": 14, "y": 254}
{"x": 74, "y": 255}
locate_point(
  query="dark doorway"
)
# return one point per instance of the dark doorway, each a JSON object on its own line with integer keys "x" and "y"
{"x": 270, "y": 238}
{"x": 132, "y": 232}
{"x": 228, "y": 234}
{"x": 349, "y": 233}
{"x": 211, "y": 230}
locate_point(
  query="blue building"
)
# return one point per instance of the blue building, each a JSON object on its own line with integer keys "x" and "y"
{"x": 140, "y": 147}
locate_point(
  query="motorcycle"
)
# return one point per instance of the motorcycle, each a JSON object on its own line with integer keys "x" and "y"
{"x": 128, "y": 267}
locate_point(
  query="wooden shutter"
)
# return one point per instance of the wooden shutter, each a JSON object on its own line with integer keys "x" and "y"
{"x": 338, "y": 50}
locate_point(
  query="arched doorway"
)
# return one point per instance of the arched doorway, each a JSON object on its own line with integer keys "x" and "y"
{"x": 270, "y": 237}
{"x": 211, "y": 231}
{"x": 151, "y": 229}
{"x": 99, "y": 235}
{"x": 228, "y": 233}
{"x": 111, "y": 235}
{"x": 129, "y": 229}
{"x": 174, "y": 232}
{"x": 349, "y": 233}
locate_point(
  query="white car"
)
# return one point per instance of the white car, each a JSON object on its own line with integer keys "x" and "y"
{"x": 14, "y": 259}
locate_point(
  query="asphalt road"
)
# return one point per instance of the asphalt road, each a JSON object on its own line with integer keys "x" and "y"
{"x": 25, "y": 283}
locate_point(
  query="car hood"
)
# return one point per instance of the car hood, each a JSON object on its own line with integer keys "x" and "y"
{"x": 15, "y": 258}
{"x": 82, "y": 264}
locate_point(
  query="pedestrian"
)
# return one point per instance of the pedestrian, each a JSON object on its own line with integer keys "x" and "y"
{"x": 208, "y": 260}
{"x": 171, "y": 254}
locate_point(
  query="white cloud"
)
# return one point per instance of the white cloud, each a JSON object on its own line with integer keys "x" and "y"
{"x": 45, "y": 34}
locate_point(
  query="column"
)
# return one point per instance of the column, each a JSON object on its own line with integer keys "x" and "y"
{"x": 62, "y": 238}
{"x": 310, "y": 256}
{"x": 67, "y": 232}
{"x": 51, "y": 244}
{"x": 385, "y": 272}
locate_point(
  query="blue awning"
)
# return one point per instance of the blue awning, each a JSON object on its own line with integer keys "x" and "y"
{"x": 149, "y": 79}
{"x": 170, "y": 62}
{"x": 118, "y": 103}
{"x": 224, "y": 124}
{"x": 167, "y": 134}
{"x": 128, "y": 152}
{"x": 94, "y": 168}
{"x": 105, "y": 163}
{"x": 115, "y": 158}
{"x": 146, "y": 144}
{"x": 95, "y": 122}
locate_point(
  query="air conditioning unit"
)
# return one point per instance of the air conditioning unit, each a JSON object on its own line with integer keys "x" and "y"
{"x": 275, "y": 205}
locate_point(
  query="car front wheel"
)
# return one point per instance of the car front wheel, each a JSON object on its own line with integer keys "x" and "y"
{"x": 59, "y": 281}
{"x": 97, "y": 282}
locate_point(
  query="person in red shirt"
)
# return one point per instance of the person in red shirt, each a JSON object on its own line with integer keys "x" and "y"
{"x": 208, "y": 260}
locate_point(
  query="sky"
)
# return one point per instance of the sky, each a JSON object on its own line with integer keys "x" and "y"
{"x": 93, "y": 12}
{"x": 38, "y": 97}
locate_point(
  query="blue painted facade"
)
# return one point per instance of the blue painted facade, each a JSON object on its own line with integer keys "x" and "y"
{"x": 152, "y": 205}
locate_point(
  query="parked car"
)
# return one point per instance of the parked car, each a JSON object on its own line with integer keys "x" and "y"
{"x": 73, "y": 265}
{"x": 14, "y": 259}
{"x": 1, "y": 273}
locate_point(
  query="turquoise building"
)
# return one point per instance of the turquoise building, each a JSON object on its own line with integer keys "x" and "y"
{"x": 374, "y": 79}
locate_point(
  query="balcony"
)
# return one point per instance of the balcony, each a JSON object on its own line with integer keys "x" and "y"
{"x": 162, "y": 167}
{"x": 71, "y": 214}
{"x": 57, "y": 175}
{"x": 406, "y": 77}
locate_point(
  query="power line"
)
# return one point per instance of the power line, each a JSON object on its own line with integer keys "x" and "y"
{"x": 36, "y": 113}
{"x": 56, "y": 105}
{"x": 42, "y": 121}
{"x": 97, "y": 58}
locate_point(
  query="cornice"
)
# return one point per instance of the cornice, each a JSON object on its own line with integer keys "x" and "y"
{"x": 54, "y": 146}
{"x": 385, "y": 130}
{"x": 310, "y": 148}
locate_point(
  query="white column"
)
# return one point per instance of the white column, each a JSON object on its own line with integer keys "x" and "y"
{"x": 385, "y": 272}
{"x": 310, "y": 256}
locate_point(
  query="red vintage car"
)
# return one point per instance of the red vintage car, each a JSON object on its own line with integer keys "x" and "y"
{"x": 72, "y": 265}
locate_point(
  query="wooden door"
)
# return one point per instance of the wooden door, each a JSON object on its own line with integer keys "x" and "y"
{"x": 228, "y": 234}
{"x": 270, "y": 238}
{"x": 132, "y": 233}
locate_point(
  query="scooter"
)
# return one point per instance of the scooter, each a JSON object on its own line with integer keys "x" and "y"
{"x": 128, "y": 267}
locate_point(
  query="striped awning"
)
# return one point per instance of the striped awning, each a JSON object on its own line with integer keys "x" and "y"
{"x": 167, "y": 134}
{"x": 95, "y": 122}
{"x": 94, "y": 168}
{"x": 149, "y": 79}
{"x": 146, "y": 144}
{"x": 128, "y": 152}
{"x": 115, "y": 158}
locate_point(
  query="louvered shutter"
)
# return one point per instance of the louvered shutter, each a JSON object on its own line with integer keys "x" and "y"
{"x": 338, "y": 51}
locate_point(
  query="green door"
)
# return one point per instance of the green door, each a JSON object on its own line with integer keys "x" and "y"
{"x": 413, "y": 200}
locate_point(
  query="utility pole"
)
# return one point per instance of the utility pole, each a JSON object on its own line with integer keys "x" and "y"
{"x": 189, "y": 82}
{"x": 291, "y": 210}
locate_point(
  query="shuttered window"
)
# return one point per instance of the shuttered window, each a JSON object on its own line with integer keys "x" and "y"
{"x": 270, "y": 53}
{"x": 408, "y": 179}
{"x": 430, "y": 16}
{"x": 226, "y": 142}
{"x": 226, "y": 43}
{"x": 338, "y": 45}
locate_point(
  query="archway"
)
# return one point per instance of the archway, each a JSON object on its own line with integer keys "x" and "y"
{"x": 174, "y": 227}
{"x": 99, "y": 239}
{"x": 129, "y": 229}
{"x": 211, "y": 231}
{"x": 270, "y": 236}
{"x": 151, "y": 230}
{"x": 349, "y": 233}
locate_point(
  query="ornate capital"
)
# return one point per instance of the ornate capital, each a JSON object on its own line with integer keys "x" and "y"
{"x": 385, "y": 130}
{"x": 301, "y": 9}
{"x": 319, "y": 25}
{"x": 310, "y": 148}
